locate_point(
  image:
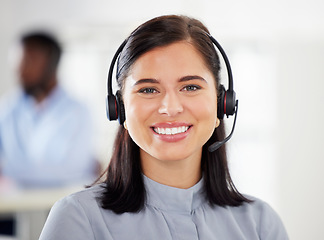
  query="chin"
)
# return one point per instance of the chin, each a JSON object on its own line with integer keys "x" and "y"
{"x": 173, "y": 156}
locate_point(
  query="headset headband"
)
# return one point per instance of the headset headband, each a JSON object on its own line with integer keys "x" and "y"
{"x": 227, "y": 103}
{"x": 216, "y": 43}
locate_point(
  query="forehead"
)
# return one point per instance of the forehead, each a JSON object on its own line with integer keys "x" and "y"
{"x": 34, "y": 53}
{"x": 35, "y": 48}
{"x": 180, "y": 56}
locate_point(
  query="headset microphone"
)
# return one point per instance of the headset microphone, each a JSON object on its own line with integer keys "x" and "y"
{"x": 227, "y": 103}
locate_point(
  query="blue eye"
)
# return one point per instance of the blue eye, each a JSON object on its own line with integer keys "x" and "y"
{"x": 191, "y": 88}
{"x": 147, "y": 90}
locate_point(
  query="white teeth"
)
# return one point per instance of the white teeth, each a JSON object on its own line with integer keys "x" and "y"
{"x": 171, "y": 131}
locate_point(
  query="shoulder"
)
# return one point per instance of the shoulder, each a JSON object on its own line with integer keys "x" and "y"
{"x": 81, "y": 200}
{"x": 256, "y": 207}
{"x": 9, "y": 102}
{"x": 265, "y": 219}
{"x": 66, "y": 96}
{"x": 73, "y": 217}
{"x": 69, "y": 102}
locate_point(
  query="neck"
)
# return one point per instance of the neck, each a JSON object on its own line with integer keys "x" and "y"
{"x": 175, "y": 173}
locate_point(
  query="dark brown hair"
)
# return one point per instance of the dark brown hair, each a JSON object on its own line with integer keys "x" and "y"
{"x": 124, "y": 189}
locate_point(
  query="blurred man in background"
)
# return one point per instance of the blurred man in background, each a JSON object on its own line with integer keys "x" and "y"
{"x": 45, "y": 134}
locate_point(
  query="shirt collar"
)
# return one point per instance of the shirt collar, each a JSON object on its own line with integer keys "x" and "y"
{"x": 54, "y": 96}
{"x": 173, "y": 199}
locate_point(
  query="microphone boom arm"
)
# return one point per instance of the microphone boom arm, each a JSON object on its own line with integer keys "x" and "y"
{"x": 217, "y": 145}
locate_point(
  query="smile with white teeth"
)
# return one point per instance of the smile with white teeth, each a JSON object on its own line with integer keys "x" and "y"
{"x": 170, "y": 131}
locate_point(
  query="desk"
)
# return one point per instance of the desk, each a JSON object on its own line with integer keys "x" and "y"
{"x": 30, "y": 208}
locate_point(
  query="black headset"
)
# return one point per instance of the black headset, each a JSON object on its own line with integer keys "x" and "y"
{"x": 227, "y": 103}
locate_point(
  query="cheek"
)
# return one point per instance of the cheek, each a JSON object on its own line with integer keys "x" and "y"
{"x": 137, "y": 113}
{"x": 205, "y": 109}
{"x": 134, "y": 109}
{"x": 208, "y": 120}
{"x": 31, "y": 72}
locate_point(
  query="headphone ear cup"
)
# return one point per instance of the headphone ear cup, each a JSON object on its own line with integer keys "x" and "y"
{"x": 230, "y": 102}
{"x": 226, "y": 102}
{"x": 121, "y": 108}
{"x": 111, "y": 108}
{"x": 221, "y": 102}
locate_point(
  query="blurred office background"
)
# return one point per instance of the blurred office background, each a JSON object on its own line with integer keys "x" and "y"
{"x": 276, "y": 49}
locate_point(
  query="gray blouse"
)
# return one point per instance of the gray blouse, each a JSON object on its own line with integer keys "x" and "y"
{"x": 169, "y": 213}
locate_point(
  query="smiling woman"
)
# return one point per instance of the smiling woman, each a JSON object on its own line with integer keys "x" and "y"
{"x": 162, "y": 182}
{"x": 181, "y": 94}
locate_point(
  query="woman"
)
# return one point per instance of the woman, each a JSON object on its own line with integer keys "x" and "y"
{"x": 162, "y": 183}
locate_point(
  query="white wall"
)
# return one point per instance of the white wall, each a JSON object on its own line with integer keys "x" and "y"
{"x": 276, "y": 49}
{"x": 301, "y": 136}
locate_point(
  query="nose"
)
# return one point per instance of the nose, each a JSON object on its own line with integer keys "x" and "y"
{"x": 171, "y": 105}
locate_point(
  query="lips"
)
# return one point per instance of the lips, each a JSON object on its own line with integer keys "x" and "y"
{"x": 171, "y": 132}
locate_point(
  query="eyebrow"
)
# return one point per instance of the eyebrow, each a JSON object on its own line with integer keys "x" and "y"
{"x": 182, "y": 79}
{"x": 146, "y": 80}
{"x": 191, "y": 77}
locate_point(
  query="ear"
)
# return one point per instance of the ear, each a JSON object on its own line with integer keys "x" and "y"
{"x": 217, "y": 123}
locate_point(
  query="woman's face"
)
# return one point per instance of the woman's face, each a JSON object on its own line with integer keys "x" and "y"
{"x": 170, "y": 103}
